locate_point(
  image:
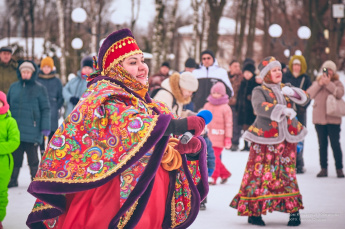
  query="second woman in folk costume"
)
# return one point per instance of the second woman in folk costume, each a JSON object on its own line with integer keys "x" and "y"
{"x": 113, "y": 163}
{"x": 269, "y": 182}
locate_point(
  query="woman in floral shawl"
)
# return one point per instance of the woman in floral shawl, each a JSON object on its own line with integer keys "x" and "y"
{"x": 269, "y": 182}
{"x": 113, "y": 162}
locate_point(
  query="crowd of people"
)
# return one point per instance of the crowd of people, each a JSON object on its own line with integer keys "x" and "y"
{"x": 116, "y": 160}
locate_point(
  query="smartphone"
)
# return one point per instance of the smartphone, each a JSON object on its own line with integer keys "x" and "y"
{"x": 325, "y": 71}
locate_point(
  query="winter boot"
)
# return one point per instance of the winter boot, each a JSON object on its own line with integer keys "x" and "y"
{"x": 256, "y": 220}
{"x": 295, "y": 219}
{"x": 14, "y": 178}
{"x": 322, "y": 173}
{"x": 234, "y": 147}
{"x": 33, "y": 171}
{"x": 340, "y": 173}
{"x": 246, "y": 146}
{"x": 202, "y": 206}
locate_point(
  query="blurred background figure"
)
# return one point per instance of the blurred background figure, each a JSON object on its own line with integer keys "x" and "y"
{"x": 190, "y": 65}
{"x": 244, "y": 105}
{"x": 75, "y": 88}
{"x": 8, "y": 69}
{"x": 47, "y": 77}
{"x": 29, "y": 103}
{"x": 235, "y": 76}
{"x": 156, "y": 80}
{"x": 327, "y": 126}
{"x": 297, "y": 77}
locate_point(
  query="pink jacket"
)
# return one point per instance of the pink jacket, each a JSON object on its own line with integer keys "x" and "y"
{"x": 221, "y": 125}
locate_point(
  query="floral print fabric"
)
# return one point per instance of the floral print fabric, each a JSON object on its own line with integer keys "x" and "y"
{"x": 269, "y": 182}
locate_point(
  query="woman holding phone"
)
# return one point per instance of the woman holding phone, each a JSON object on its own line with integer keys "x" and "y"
{"x": 326, "y": 125}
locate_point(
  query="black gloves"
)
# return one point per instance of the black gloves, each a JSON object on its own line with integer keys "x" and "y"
{"x": 74, "y": 100}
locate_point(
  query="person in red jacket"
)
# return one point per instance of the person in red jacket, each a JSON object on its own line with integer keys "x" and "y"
{"x": 220, "y": 128}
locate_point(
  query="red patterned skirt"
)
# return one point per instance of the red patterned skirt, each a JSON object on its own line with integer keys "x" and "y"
{"x": 269, "y": 182}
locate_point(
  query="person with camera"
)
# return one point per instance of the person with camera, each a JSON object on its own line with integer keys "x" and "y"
{"x": 327, "y": 126}
{"x": 297, "y": 77}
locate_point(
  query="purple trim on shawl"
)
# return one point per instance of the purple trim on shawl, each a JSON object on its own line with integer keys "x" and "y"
{"x": 202, "y": 188}
{"x": 218, "y": 101}
{"x": 110, "y": 40}
{"x": 49, "y": 192}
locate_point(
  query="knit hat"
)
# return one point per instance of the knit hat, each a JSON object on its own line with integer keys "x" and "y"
{"x": 6, "y": 49}
{"x": 266, "y": 65}
{"x": 166, "y": 64}
{"x": 27, "y": 66}
{"x": 188, "y": 81}
{"x": 249, "y": 67}
{"x": 219, "y": 88}
{"x": 5, "y": 107}
{"x": 116, "y": 47}
{"x": 296, "y": 61}
{"x": 207, "y": 52}
{"x": 190, "y": 63}
{"x": 329, "y": 64}
{"x": 48, "y": 61}
{"x": 86, "y": 62}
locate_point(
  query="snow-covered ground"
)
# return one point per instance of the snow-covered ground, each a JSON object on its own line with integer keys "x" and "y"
{"x": 323, "y": 198}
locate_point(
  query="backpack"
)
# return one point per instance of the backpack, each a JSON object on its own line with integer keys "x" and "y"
{"x": 154, "y": 92}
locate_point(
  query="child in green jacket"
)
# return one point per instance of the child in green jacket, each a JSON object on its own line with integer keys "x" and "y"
{"x": 9, "y": 142}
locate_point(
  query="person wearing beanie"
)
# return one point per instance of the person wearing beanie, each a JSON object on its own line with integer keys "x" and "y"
{"x": 177, "y": 91}
{"x": 244, "y": 106}
{"x": 9, "y": 142}
{"x": 118, "y": 149}
{"x": 190, "y": 65}
{"x": 156, "y": 79}
{"x": 220, "y": 128}
{"x": 272, "y": 157}
{"x": 327, "y": 126}
{"x": 208, "y": 74}
{"x": 75, "y": 88}
{"x": 8, "y": 68}
{"x": 297, "y": 77}
{"x": 30, "y": 107}
{"x": 47, "y": 77}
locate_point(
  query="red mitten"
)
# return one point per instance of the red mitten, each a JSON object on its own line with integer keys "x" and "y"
{"x": 196, "y": 124}
{"x": 227, "y": 143}
{"x": 193, "y": 146}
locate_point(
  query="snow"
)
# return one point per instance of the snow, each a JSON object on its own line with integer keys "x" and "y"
{"x": 227, "y": 26}
{"x": 323, "y": 198}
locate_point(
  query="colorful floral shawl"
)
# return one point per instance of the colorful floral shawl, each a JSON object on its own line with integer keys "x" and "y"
{"x": 114, "y": 131}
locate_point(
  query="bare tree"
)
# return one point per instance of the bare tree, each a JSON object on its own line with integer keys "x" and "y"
{"x": 243, "y": 22}
{"x": 59, "y": 4}
{"x": 196, "y": 7}
{"x": 157, "y": 35}
{"x": 32, "y": 5}
{"x": 134, "y": 15}
{"x": 216, "y": 11}
{"x": 252, "y": 26}
{"x": 205, "y": 27}
{"x": 170, "y": 31}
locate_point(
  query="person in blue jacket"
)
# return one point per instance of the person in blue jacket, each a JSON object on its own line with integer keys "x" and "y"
{"x": 74, "y": 89}
{"x": 30, "y": 107}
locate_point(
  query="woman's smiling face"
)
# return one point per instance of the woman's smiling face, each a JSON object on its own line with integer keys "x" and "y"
{"x": 276, "y": 74}
{"x": 136, "y": 66}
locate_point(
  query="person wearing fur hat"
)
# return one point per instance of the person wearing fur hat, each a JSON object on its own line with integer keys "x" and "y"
{"x": 8, "y": 68}
{"x": 209, "y": 74}
{"x": 220, "y": 128}
{"x": 297, "y": 77}
{"x": 9, "y": 142}
{"x": 29, "y": 102}
{"x": 75, "y": 88}
{"x": 269, "y": 182}
{"x": 115, "y": 162}
{"x": 177, "y": 91}
{"x": 244, "y": 106}
{"x": 327, "y": 126}
{"x": 156, "y": 79}
{"x": 47, "y": 77}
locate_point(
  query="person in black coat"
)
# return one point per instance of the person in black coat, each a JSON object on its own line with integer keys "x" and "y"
{"x": 53, "y": 85}
{"x": 29, "y": 103}
{"x": 244, "y": 106}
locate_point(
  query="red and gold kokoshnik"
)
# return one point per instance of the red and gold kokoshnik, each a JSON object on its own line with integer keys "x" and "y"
{"x": 118, "y": 51}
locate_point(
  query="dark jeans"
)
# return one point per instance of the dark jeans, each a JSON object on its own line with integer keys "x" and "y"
{"x": 31, "y": 153}
{"x": 333, "y": 132}
{"x": 236, "y": 129}
{"x": 302, "y": 118}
